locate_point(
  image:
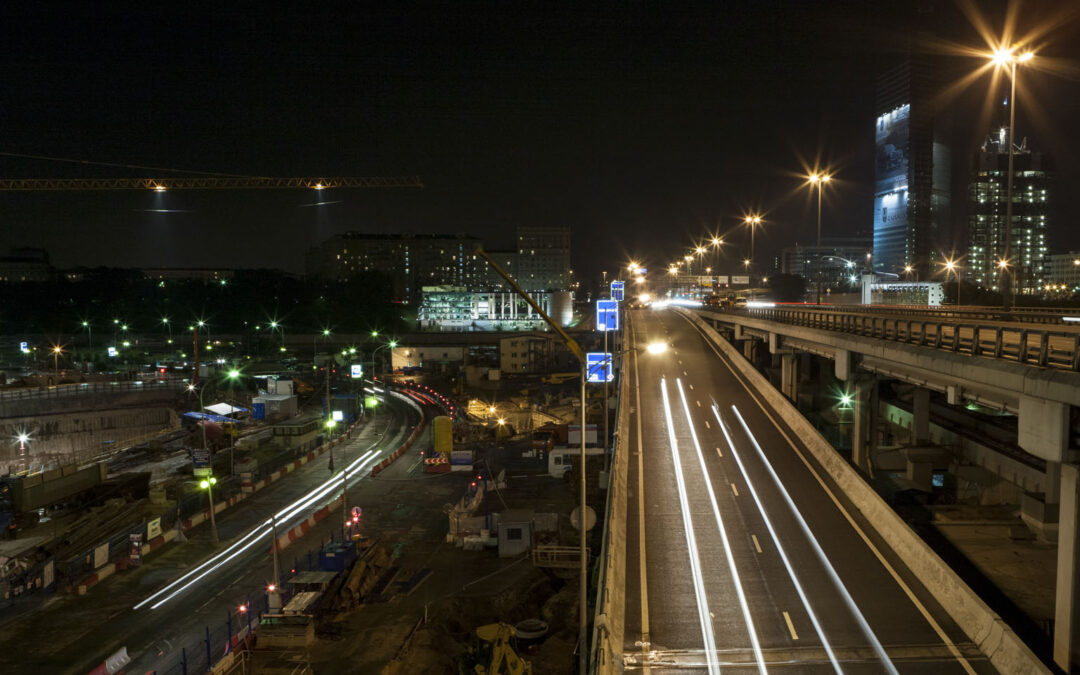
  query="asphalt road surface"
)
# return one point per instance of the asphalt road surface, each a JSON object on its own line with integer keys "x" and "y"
{"x": 72, "y": 634}
{"x": 742, "y": 555}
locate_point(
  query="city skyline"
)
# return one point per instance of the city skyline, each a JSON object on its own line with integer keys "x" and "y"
{"x": 641, "y": 131}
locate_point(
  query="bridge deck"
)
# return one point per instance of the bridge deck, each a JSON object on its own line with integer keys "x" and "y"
{"x": 726, "y": 572}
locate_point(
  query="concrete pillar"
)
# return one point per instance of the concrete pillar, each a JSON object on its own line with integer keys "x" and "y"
{"x": 1043, "y": 427}
{"x": 842, "y": 365}
{"x": 805, "y": 364}
{"x": 789, "y": 376}
{"x": 749, "y": 349}
{"x": 864, "y": 427}
{"x": 920, "y": 413}
{"x": 1066, "y": 605}
{"x": 774, "y": 343}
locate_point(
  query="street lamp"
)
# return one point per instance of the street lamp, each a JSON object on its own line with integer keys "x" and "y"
{"x": 56, "y": 350}
{"x": 1007, "y": 57}
{"x": 208, "y": 484}
{"x": 818, "y": 180}
{"x": 391, "y": 344}
{"x": 951, "y": 267}
{"x": 165, "y": 322}
{"x": 89, "y": 334}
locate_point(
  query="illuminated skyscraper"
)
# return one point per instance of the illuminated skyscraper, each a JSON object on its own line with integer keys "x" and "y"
{"x": 1030, "y": 261}
{"x": 912, "y": 169}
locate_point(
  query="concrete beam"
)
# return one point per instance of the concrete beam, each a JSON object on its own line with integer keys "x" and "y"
{"x": 1044, "y": 428}
{"x": 789, "y": 376}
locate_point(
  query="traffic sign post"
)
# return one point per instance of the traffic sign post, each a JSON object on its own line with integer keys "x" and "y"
{"x": 607, "y": 315}
{"x": 200, "y": 462}
{"x": 617, "y": 291}
{"x": 598, "y": 367}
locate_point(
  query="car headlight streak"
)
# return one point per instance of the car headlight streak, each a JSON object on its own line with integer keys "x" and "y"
{"x": 848, "y": 600}
{"x": 256, "y": 534}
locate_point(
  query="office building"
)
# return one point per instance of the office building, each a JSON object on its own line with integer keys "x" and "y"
{"x": 543, "y": 258}
{"x": 1065, "y": 270}
{"x": 852, "y": 253}
{"x": 25, "y": 264}
{"x": 987, "y": 202}
{"x": 912, "y": 220}
{"x": 456, "y": 308}
{"x": 411, "y": 261}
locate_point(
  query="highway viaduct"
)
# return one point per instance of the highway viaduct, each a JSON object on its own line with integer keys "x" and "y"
{"x": 1028, "y": 371}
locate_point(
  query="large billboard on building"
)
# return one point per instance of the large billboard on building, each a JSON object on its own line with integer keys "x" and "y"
{"x": 891, "y": 145}
{"x": 891, "y": 189}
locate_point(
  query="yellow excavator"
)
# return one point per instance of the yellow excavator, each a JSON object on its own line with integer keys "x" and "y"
{"x": 494, "y": 654}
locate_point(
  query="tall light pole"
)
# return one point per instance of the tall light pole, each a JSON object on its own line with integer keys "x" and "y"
{"x": 208, "y": 484}
{"x": 165, "y": 321}
{"x": 717, "y": 242}
{"x": 818, "y": 180}
{"x": 56, "y": 362}
{"x": 89, "y": 334}
{"x": 1001, "y": 58}
{"x": 752, "y": 221}
{"x": 952, "y": 268}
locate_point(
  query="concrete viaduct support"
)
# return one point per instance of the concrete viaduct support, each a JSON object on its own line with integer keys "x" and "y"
{"x": 789, "y": 376}
{"x": 1067, "y": 602}
{"x": 864, "y": 431}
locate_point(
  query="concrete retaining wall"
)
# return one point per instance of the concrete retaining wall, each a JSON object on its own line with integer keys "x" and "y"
{"x": 81, "y": 432}
{"x": 610, "y": 620}
{"x": 981, "y": 624}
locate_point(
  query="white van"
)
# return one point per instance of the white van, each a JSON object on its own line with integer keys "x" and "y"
{"x": 559, "y": 459}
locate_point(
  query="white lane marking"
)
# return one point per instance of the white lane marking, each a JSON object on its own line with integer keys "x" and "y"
{"x": 691, "y": 387}
{"x": 779, "y": 546}
{"x": 734, "y": 489}
{"x": 790, "y": 626}
{"x": 758, "y": 655}
{"x": 718, "y": 452}
{"x": 641, "y": 512}
{"x": 684, "y": 374}
{"x": 848, "y": 600}
{"x": 757, "y": 544}
{"x": 945, "y": 639}
{"x": 707, "y": 424}
{"x": 691, "y": 541}
{"x": 698, "y": 403}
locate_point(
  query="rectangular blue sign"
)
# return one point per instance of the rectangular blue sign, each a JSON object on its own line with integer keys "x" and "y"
{"x": 607, "y": 315}
{"x": 598, "y": 367}
{"x": 617, "y": 291}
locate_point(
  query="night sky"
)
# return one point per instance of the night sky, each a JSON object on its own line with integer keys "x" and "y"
{"x": 642, "y": 127}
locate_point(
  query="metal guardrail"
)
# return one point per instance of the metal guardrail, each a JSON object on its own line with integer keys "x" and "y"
{"x": 565, "y": 557}
{"x": 1042, "y": 347}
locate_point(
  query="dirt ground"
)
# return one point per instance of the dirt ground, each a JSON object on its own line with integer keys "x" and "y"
{"x": 466, "y": 589}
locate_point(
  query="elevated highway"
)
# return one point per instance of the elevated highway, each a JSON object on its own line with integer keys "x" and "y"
{"x": 748, "y": 545}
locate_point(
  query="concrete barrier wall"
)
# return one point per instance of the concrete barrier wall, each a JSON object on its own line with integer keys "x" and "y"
{"x": 981, "y": 624}
{"x": 610, "y": 620}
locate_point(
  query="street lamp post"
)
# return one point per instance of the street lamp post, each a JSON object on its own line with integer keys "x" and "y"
{"x": 56, "y": 362}
{"x": 818, "y": 180}
{"x": 208, "y": 485}
{"x": 1001, "y": 58}
{"x": 89, "y": 334}
{"x": 752, "y": 221}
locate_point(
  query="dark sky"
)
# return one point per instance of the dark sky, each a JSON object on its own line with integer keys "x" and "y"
{"x": 642, "y": 126}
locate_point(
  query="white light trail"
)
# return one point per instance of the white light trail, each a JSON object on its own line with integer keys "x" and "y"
{"x": 254, "y": 536}
{"x": 779, "y": 545}
{"x": 704, "y": 615}
{"x": 736, "y": 579}
{"x": 848, "y": 600}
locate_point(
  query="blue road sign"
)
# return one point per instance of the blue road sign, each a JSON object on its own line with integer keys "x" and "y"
{"x": 607, "y": 315}
{"x": 598, "y": 367}
{"x": 617, "y": 291}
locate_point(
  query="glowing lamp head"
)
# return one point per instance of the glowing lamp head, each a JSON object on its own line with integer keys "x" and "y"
{"x": 23, "y": 437}
{"x": 271, "y": 588}
{"x": 657, "y": 347}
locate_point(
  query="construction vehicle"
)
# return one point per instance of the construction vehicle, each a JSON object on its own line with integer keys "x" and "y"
{"x": 494, "y": 653}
